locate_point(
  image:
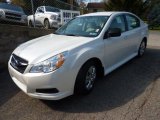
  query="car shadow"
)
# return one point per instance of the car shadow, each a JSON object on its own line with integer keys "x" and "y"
{"x": 7, "y": 88}
{"x": 115, "y": 89}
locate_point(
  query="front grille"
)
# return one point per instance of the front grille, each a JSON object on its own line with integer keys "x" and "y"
{"x": 18, "y": 63}
{"x": 47, "y": 91}
{"x": 13, "y": 16}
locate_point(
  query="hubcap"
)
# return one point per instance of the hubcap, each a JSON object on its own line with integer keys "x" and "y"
{"x": 142, "y": 48}
{"x": 90, "y": 77}
{"x": 30, "y": 24}
{"x": 46, "y": 24}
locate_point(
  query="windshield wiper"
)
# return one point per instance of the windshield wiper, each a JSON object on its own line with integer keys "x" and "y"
{"x": 71, "y": 35}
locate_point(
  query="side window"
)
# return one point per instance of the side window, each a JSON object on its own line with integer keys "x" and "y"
{"x": 40, "y": 9}
{"x": 132, "y": 22}
{"x": 118, "y": 22}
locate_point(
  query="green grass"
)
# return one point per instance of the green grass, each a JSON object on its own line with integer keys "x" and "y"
{"x": 155, "y": 28}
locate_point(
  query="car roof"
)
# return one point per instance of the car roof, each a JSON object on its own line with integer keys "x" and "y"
{"x": 9, "y": 5}
{"x": 104, "y": 13}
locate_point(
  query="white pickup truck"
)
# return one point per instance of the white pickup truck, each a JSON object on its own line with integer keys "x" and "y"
{"x": 51, "y": 17}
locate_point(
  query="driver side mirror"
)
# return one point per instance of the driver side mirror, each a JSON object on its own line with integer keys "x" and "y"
{"x": 113, "y": 32}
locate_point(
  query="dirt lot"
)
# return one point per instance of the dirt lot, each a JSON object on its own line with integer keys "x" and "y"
{"x": 131, "y": 92}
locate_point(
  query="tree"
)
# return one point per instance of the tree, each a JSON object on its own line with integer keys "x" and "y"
{"x": 137, "y": 7}
{"x": 2, "y": 0}
{"x": 154, "y": 16}
{"x": 154, "y": 2}
{"x": 21, "y": 3}
{"x": 26, "y": 4}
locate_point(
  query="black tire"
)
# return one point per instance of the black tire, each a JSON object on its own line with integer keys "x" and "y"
{"x": 142, "y": 48}
{"x": 46, "y": 24}
{"x": 84, "y": 78}
{"x": 30, "y": 24}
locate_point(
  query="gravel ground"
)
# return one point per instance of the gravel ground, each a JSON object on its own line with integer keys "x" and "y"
{"x": 129, "y": 93}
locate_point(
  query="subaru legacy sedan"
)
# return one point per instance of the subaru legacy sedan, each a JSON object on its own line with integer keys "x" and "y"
{"x": 70, "y": 60}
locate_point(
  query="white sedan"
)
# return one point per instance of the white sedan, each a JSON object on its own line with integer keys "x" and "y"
{"x": 70, "y": 60}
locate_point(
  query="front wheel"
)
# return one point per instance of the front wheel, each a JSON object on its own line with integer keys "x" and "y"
{"x": 46, "y": 24}
{"x": 86, "y": 78}
{"x": 142, "y": 48}
{"x": 30, "y": 24}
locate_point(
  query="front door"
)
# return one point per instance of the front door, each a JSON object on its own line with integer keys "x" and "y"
{"x": 39, "y": 16}
{"x": 116, "y": 47}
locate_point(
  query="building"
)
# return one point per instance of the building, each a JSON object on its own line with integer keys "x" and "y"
{"x": 95, "y": 7}
{"x": 72, "y": 4}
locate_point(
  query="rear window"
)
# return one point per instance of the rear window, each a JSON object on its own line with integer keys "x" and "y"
{"x": 52, "y": 9}
{"x": 11, "y": 7}
{"x": 133, "y": 22}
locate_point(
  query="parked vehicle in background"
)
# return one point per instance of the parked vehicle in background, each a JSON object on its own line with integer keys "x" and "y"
{"x": 87, "y": 47}
{"x": 51, "y": 17}
{"x": 12, "y": 13}
{"x": 67, "y": 15}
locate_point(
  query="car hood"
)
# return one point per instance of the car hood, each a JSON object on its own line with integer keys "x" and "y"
{"x": 13, "y": 11}
{"x": 42, "y": 48}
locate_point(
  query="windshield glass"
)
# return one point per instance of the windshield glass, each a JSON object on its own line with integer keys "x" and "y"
{"x": 11, "y": 7}
{"x": 52, "y": 9}
{"x": 87, "y": 26}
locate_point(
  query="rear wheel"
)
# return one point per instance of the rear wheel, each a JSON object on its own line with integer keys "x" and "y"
{"x": 142, "y": 48}
{"x": 86, "y": 78}
{"x": 46, "y": 24}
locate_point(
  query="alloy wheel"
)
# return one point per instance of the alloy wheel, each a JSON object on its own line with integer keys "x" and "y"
{"x": 90, "y": 77}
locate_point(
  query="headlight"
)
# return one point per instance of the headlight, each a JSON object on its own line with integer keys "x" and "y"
{"x": 50, "y": 64}
{"x": 53, "y": 17}
{"x": 24, "y": 17}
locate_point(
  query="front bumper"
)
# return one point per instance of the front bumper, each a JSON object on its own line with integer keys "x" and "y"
{"x": 29, "y": 82}
{"x": 2, "y": 18}
{"x": 54, "y": 23}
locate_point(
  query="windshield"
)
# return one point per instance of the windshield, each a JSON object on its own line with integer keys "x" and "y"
{"x": 87, "y": 26}
{"x": 11, "y": 7}
{"x": 52, "y": 9}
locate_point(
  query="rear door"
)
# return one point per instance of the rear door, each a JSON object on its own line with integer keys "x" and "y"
{"x": 133, "y": 34}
